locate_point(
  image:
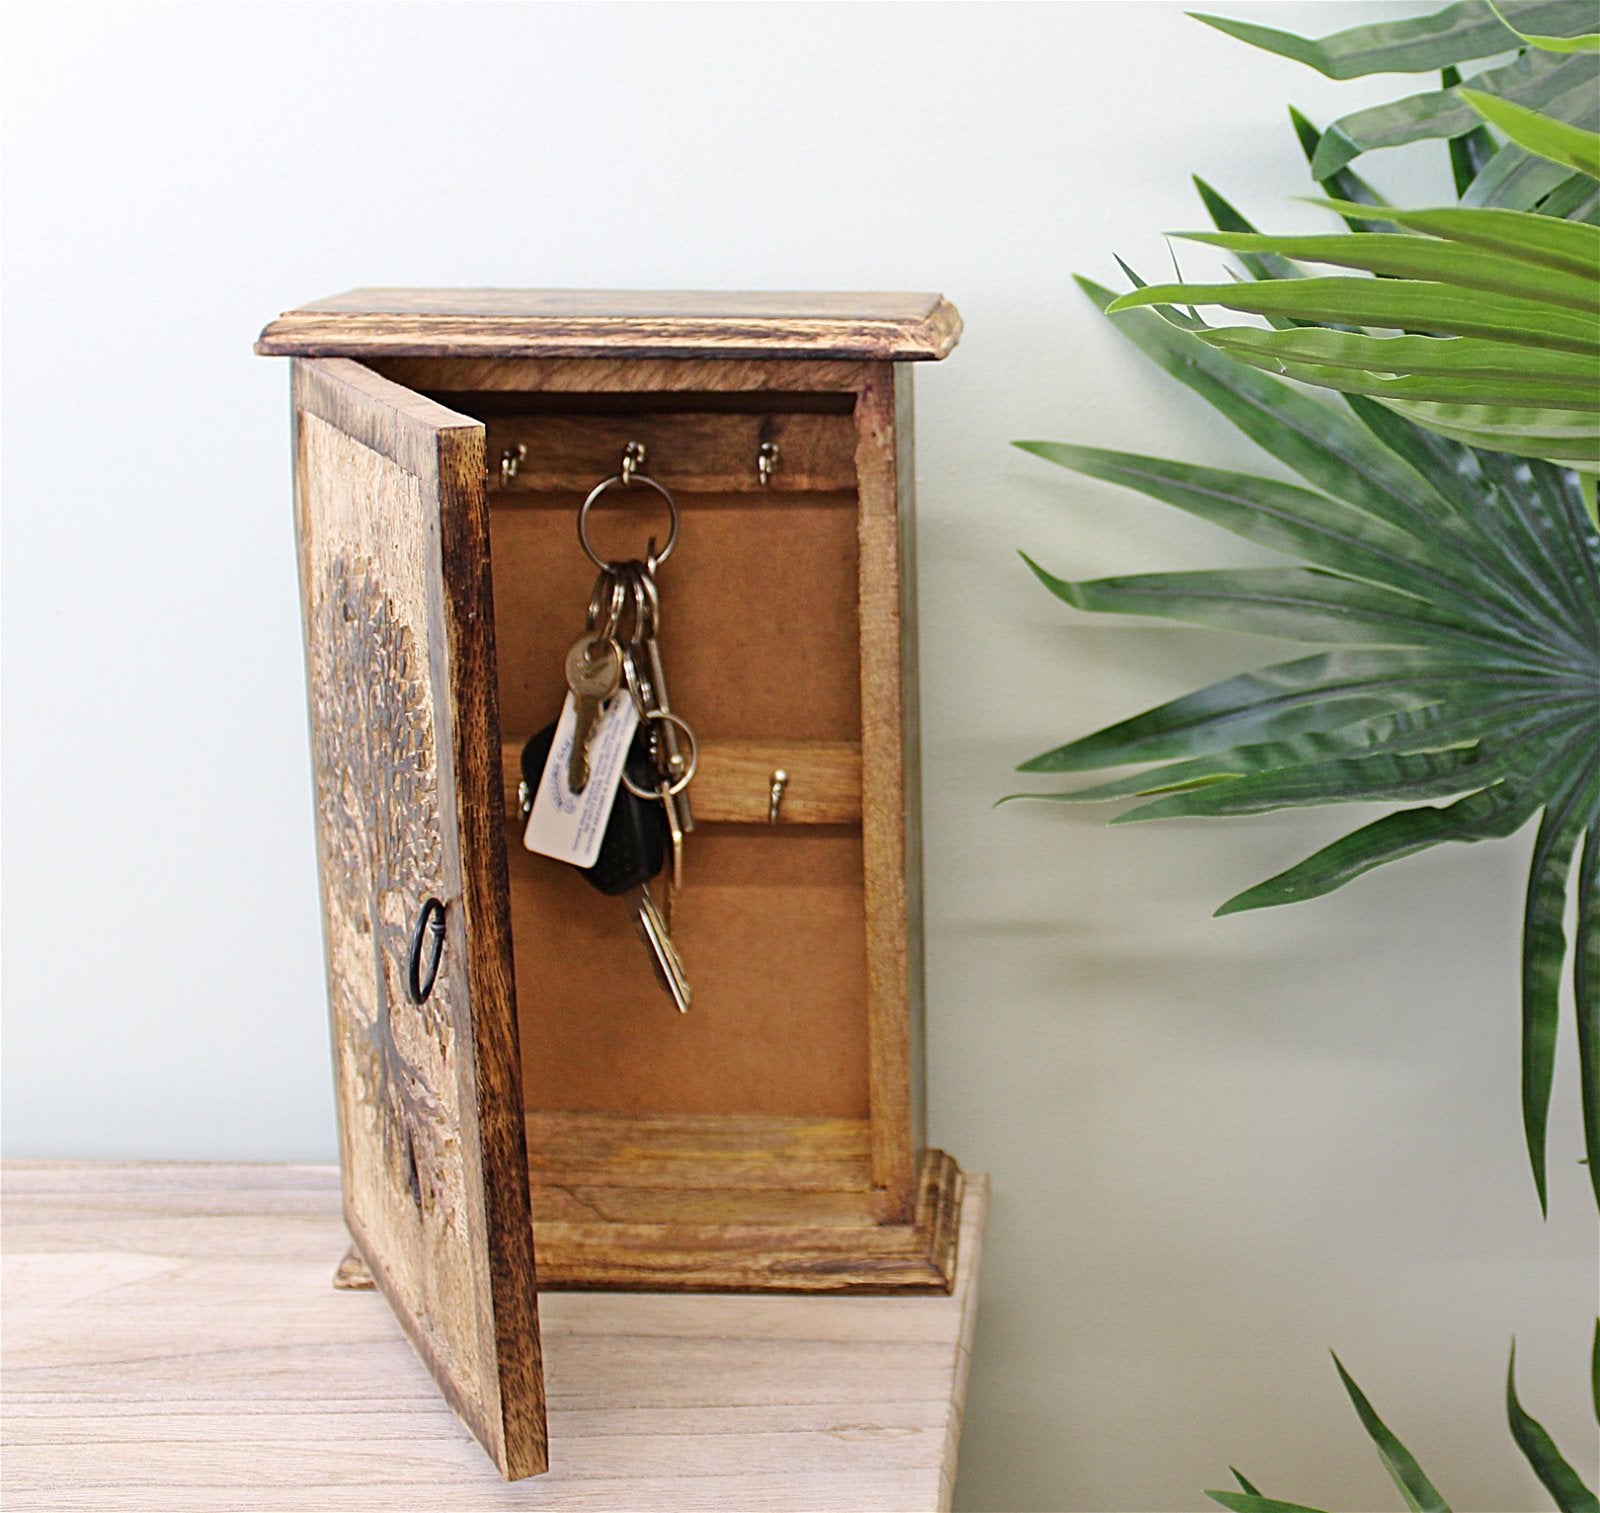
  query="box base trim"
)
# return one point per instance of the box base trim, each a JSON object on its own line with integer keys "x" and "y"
{"x": 787, "y": 1256}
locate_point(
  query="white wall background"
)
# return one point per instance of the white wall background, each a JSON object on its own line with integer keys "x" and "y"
{"x": 1218, "y": 1147}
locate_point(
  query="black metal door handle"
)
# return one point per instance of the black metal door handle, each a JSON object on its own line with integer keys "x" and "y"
{"x": 430, "y": 928}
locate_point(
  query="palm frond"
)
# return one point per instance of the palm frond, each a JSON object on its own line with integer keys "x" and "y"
{"x": 1416, "y": 1490}
{"x": 1548, "y": 1463}
{"x": 1535, "y": 79}
{"x": 1457, "y": 596}
{"x": 1418, "y": 44}
{"x": 1482, "y": 324}
{"x": 1556, "y": 72}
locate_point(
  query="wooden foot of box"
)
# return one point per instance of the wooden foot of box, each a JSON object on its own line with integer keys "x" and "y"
{"x": 738, "y": 1239}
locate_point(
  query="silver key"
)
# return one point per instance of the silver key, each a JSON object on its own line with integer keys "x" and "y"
{"x": 594, "y": 673}
{"x": 675, "y": 836}
{"x": 679, "y": 801}
{"x": 648, "y": 683}
{"x": 653, "y": 931}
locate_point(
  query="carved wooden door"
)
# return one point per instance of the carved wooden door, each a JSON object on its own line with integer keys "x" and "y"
{"x": 394, "y": 572}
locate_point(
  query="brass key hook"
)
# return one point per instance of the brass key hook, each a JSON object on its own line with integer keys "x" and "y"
{"x": 632, "y": 462}
{"x": 511, "y": 461}
{"x": 766, "y": 462}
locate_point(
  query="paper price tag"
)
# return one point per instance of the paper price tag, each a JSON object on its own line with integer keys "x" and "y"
{"x": 570, "y": 826}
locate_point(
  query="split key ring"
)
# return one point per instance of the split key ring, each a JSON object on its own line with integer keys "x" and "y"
{"x": 619, "y": 482}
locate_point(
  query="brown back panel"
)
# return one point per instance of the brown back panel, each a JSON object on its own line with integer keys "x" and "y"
{"x": 771, "y": 927}
{"x": 758, "y": 611}
{"x": 760, "y": 633}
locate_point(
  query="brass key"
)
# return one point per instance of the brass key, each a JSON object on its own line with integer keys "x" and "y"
{"x": 594, "y": 673}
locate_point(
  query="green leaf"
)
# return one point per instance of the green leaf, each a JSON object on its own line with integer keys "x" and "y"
{"x": 1515, "y": 180}
{"x": 1244, "y": 1502}
{"x": 1586, "y": 989}
{"x": 1461, "y": 357}
{"x": 1570, "y": 146}
{"x": 1416, "y": 257}
{"x": 1345, "y": 185}
{"x": 1547, "y": 303}
{"x": 1336, "y": 454}
{"x": 1314, "y": 440}
{"x": 1529, "y": 394}
{"x": 1411, "y": 306}
{"x": 1418, "y": 44}
{"x": 1562, "y": 245}
{"x": 1362, "y": 779}
{"x": 1467, "y": 584}
{"x": 1533, "y": 80}
{"x": 1492, "y": 814}
{"x": 1549, "y": 1465}
{"x": 1539, "y": 520}
{"x": 1318, "y": 693}
{"x": 1226, "y": 218}
{"x": 1418, "y": 730}
{"x": 1588, "y": 42}
{"x": 1539, "y": 403}
{"x": 1294, "y": 603}
{"x": 1544, "y": 949}
{"x": 1437, "y": 384}
{"x": 1418, "y": 1491}
{"x": 1244, "y": 1483}
{"x": 1557, "y": 435}
{"x": 1272, "y": 514}
{"x": 1518, "y": 179}
{"x": 1576, "y": 198}
{"x": 1470, "y": 151}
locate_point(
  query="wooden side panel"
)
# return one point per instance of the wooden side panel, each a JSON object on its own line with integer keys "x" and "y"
{"x": 394, "y": 561}
{"x": 911, "y": 759}
{"x": 890, "y": 802}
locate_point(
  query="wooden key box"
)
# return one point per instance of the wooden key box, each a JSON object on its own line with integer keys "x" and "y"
{"x": 543, "y": 1098}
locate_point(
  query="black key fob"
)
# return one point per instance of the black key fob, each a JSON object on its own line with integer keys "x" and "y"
{"x": 634, "y": 846}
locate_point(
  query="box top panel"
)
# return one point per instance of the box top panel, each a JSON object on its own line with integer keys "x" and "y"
{"x": 611, "y": 323}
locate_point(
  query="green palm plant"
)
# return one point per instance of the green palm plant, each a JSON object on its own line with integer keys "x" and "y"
{"x": 1500, "y": 310}
{"x": 1455, "y": 590}
{"x": 1461, "y": 592}
{"x": 1459, "y": 587}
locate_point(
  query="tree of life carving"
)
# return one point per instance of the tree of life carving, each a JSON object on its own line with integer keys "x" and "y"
{"x": 378, "y": 810}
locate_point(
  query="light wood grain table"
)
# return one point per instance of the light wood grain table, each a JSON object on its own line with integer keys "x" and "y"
{"x": 172, "y": 1342}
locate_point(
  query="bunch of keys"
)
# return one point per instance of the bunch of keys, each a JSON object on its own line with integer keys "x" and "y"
{"x": 605, "y": 788}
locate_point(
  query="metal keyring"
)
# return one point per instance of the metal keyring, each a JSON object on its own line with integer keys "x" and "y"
{"x": 618, "y": 482}
{"x": 603, "y": 617}
{"x": 684, "y": 778}
{"x": 646, "y": 600}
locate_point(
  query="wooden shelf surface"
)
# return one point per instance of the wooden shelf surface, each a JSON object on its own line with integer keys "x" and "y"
{"x": 173, "y": 1343}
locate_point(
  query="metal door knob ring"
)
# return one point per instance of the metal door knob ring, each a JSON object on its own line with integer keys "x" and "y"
{"x": 427, "y": 936}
